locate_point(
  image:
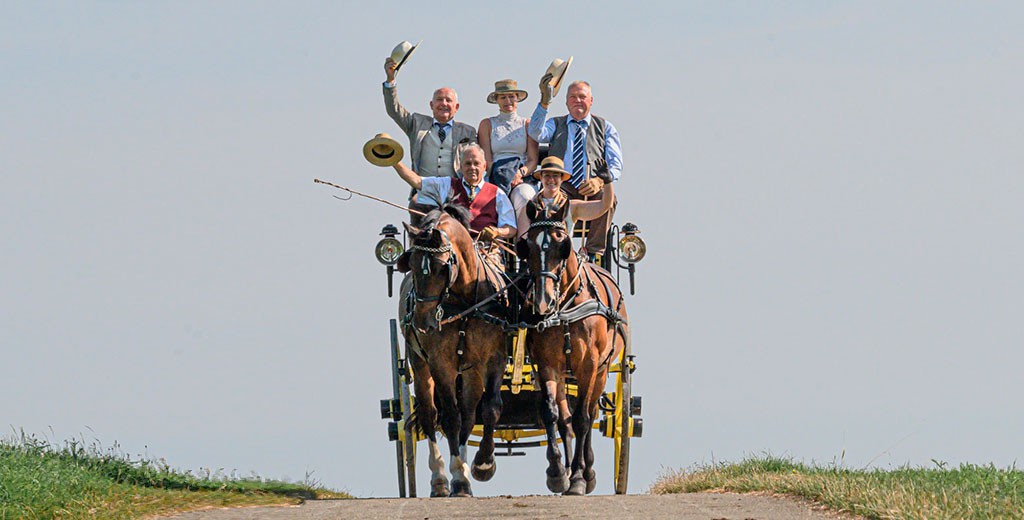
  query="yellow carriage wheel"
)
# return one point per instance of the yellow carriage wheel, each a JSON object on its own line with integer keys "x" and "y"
{"x": 622, "y": 420}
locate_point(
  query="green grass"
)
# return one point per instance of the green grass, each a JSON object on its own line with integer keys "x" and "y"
{"x": 42, "y": 481}
{"x": 966, "y": 492}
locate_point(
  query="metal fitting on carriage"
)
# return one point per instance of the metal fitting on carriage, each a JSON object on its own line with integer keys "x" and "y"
{"x": 635, "y": 405}
{"x": 390, "y": 409}
{"x": 393, "y": 431}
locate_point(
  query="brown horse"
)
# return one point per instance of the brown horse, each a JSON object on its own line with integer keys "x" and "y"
{"x": 457, "y": 365}
{"x": 581, "y": 326}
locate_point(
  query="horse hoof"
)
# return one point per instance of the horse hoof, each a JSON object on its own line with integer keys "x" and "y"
{"x": 461, "y": 489}
{"x": 577, "y": 488}
{"x": 558, "y": 484}
{"x": 484, "y": 472}
{"x": 439, "y": 491}
{"x": 591, "y": 477}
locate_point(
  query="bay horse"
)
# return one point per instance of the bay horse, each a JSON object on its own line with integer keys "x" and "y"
{"x": 457, "y": 365}
{"x": 581, "y": 327}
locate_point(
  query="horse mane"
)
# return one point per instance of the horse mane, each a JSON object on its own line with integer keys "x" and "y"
{"x": 430, "y": 221}
{"x": 457, "y": 211}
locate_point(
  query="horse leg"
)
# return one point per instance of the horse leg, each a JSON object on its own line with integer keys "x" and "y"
{"x": 565, "y": 426}
{"x": 426, "y": 418}
{"x": 557, "y": 479}
{"x": 582, "y": 424}
{"x": 490, "y": 410}
{"x": 451, "y": 423}
{"x": 588, "y": 450}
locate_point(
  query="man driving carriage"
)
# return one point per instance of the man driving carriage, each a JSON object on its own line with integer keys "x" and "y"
{"x": 490, "y": 209}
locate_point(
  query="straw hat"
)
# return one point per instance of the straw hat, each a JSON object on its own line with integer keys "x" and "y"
{"x": 552, "y": 164}
{"x": 401, "y": 53}
{"x": 382, "y": 150}
{"x": 557, "y": 69}
{"x": 506, "y": 86}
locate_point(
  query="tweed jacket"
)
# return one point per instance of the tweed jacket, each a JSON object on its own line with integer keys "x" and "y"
{"x": 419, "y": 126}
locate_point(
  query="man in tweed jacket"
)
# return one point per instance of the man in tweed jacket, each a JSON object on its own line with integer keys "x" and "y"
{"x": 433, "y": 139}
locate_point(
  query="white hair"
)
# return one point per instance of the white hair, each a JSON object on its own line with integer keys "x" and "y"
{"x": 465, "y": 147}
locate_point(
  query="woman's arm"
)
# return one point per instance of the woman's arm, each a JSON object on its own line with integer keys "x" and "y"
{"x": 591, "y": 209}
{"x": 532, "y": 149}
{"x": 483, "y": 136}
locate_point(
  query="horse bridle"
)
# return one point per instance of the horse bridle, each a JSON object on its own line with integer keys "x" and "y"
{"x": 556, "y": 276}
{"x": 451, "y": 264}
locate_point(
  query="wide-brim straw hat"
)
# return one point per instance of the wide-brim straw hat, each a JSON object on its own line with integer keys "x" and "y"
{"x": 506, "y": 86}
{"x": 552, "y": 164}
{"x": 401, "y": 53}
{"x": 557, "y": 69}
{"x": 382, "y": 150}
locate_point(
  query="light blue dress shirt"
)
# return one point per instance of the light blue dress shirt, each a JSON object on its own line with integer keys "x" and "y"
{"x": 542, "y": 130}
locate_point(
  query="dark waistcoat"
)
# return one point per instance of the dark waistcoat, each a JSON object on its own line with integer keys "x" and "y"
{"x": 595, "y": 140}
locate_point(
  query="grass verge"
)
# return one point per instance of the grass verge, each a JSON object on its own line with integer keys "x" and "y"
{"x": 966, "y": 492}
{"x": 73, "y": 481}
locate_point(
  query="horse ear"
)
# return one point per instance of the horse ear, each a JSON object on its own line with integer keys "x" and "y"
{"x": 403, "y": 262}
{"x": 522, "y": 248}
{"x": 531, "y": 211}
{"x": 410, "y": 229}
{"x": 565, "y": 248}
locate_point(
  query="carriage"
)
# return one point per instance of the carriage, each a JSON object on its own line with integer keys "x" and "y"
{"x": 519, "y": 425}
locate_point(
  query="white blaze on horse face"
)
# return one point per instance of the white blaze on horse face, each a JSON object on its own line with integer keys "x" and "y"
{"x": 545, "y": 295}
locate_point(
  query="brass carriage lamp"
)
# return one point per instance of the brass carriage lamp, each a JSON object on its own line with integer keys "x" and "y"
{"x": 631, "y": 247}
{"x": 388, "y": 250}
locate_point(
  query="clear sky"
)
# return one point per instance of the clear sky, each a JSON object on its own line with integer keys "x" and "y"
{"x": 830, "y": 191}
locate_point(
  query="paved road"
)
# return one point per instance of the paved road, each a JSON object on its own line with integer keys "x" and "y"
{"x": 696, "y": 506}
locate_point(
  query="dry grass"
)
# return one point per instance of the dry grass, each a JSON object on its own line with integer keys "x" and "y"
{"x": 966, "y": 492}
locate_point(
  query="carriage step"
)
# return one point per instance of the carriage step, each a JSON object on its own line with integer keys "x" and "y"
{"x": 508, "y": 452}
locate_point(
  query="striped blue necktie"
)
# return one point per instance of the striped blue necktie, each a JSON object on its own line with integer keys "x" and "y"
{"x": 440, "y": 131}
{"x": 579, "y": 169}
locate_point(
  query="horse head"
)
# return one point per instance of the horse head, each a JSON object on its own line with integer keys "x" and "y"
{"x": 546, "y": 247}
{"x": 433, "y": 260}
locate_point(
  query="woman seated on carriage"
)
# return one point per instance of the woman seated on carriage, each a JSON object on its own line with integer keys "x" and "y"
{"x": 550, "y": 198}
{"x": 507, "y": 145}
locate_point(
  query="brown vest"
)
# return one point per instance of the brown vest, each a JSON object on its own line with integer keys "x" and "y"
{"x": 483, "y": 208}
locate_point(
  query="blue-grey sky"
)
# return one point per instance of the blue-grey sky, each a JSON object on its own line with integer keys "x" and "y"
{"x": 830, "y": 193}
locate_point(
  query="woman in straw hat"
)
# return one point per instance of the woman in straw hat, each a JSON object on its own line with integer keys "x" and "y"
{"x": 510, "y": 151}
{"x": 550, "y": 198}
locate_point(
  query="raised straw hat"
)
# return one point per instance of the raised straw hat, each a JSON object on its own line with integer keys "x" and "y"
{"x": 557, "y": 69}
{"x": 400, "y": 54}
{"x": 382, "y": 150}
{"x": 552, "y": 164}
{"x": 506, "y": 86}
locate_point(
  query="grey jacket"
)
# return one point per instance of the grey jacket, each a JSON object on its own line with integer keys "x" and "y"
{"x": 418, "y": 126}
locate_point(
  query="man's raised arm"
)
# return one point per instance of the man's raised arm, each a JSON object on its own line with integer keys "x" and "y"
{"x": 395, "y": 110}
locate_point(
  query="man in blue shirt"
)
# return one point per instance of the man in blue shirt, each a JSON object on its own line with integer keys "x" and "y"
{"x": 589, "y": 146}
